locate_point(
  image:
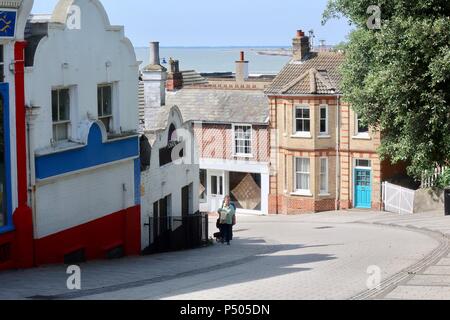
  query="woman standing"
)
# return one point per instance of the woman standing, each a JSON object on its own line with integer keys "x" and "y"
{"x": 227, "y": 216}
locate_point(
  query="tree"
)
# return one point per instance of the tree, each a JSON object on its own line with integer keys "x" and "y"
{"x": 397, "y": 76}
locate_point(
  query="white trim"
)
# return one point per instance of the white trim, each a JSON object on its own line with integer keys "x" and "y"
{"x": 327, "y": 172}
{"x": 242, "y": 155}
{"x": 360, "y": 135}
{"x": 235, "y": 165}
{"x": 327, "y": 120}
{"x": 304, "y": 192}
{"x": 302, "y": 134}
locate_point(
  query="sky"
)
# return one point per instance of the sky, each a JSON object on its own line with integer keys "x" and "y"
{"x": 191, "y": 23}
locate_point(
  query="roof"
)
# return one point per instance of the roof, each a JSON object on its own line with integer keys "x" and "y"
{"x": 221, "y": 106}
{"x": 318, "y": 74}
{"x": 213, "y": 106}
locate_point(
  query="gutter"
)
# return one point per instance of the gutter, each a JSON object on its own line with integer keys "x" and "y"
{"x": 338, "y": 142}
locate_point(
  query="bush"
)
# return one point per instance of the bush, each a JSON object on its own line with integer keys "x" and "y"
{"x": 443, "y": 180}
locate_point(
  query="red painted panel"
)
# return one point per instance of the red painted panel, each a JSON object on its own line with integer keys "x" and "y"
{"x": 8, "y": 239}
{"x": 95, "y": 237}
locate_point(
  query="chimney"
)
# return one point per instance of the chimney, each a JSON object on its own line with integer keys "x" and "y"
{"x": 174, "y": 78}
{"x": 154, "y": 85}
{"x": 154, "y": 53}
{"x": 300, "y": 46}
{"x": 241, "y": 68}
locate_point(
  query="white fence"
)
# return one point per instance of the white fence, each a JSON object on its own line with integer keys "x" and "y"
{"x": 430, "y": 181}
{"x": 397, "y": 199}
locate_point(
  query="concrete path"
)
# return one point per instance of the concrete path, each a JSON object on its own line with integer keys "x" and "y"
{"x": 317, "y": 256}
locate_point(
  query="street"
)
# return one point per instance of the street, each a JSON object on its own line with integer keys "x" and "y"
{"x": 319, "y": 256}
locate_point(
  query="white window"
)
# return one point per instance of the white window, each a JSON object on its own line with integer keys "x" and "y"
{"x": 361, "y": 127}
{"x": 302, "y": 119}
{"x": 302, "y": 174}
{"x": 363, "y": 163}
{"x": 104, "y": 99}
{"x": 323, "y": 175}
{"x": 242, "y": 140}
{"x": 323, "y": 120}
{"x": 61, "y": 114}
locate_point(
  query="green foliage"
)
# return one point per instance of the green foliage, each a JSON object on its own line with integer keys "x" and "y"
{"x": 444, "y": 180}
{"x": 398, "y": 78}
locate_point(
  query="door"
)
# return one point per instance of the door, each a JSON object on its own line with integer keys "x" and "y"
{"x": 216, "y": 189}
{"x": 363, "y": 188}
{"x": 185, "y": 201}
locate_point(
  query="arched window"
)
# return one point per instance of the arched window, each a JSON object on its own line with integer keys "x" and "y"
{"x": 146, "y": 152}
{"x": 172, "y": 137}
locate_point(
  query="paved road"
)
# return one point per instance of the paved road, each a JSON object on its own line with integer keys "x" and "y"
{"x": 321, "y": 256}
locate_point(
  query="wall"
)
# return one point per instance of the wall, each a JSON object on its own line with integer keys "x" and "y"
{"x": 216, "y": 141}
{"x": 65, "y": 202}
{"x": 158, "y": 182}
{"x": 286, "y": 145}
{"x": 97, "y": 53}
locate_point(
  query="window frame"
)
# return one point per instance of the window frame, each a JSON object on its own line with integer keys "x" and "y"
{"x": 59, "y": 122}
{"x": 327, "y": 120}
{"x": 357, "y": 127}
{"x": 326, "y": 174}
{"x": 297, "y": 132}
{"x": 102, "y": 116}
{"x": 235, "y": 140}
{"x": 297, "y": 172}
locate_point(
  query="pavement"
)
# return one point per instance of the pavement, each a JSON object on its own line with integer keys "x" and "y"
{"x": 329, "y": 255}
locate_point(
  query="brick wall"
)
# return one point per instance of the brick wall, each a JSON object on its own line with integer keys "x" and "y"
{"x": 216, "y": 142}
{"x": 286, "y": 146}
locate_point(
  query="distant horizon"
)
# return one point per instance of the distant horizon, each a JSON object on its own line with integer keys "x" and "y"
{"x": 216, "y": 24}
{"x": 226, "y": 46}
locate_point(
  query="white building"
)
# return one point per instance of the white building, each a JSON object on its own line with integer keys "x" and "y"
{"x": 81, "y": 80}
{"x": 170, "y": 171}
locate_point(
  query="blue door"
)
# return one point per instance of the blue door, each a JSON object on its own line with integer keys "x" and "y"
{"x": 363, "y": 189}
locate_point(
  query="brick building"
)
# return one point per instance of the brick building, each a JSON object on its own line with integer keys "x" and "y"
{"x": 229, "y": 115}
{"x": 323, "y": 156}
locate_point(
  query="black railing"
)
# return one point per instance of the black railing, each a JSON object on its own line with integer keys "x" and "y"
{"x": 177, "y": 233}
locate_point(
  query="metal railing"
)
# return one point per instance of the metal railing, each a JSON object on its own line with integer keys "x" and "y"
{"x": 175, "y": 233}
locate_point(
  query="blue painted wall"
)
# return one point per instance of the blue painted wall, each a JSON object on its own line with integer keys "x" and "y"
{"x": 4, "y": 92}
{"x": 95, "y": 153}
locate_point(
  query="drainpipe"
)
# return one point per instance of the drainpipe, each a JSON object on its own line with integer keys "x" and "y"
{"x": 338, "y": 142}
{"x": 23, "y": 216}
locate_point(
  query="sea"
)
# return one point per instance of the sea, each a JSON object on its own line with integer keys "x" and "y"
{"x": 213, "y": 59}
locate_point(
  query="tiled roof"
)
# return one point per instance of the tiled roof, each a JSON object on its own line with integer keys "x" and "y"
{"x": 221, "y": 106}
{"x": 211, "y": 105}
{"x": 319, "y": 74}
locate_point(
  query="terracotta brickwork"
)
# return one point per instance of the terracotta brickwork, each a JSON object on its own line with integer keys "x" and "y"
{"x": 340, "y": 148}
{"x": 216, "y": 141}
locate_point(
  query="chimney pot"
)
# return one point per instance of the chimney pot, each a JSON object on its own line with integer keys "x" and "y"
{"x": 154, "y": 53}
{"x": 242, "y": 56}
{"x": 300, "y": 33}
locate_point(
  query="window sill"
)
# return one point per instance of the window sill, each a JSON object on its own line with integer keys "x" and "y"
{"x": 362, "y": 136}
{"x": 303, "y": 193}
{"x": 302, "y": 135}
{"x": 248, "y": 156}
{"x": 324, "y": 136}
{"x": 324, "y": 194}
